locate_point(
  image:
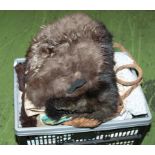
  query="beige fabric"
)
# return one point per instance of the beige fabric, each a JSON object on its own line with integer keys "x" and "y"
{"x": 30, "y": 108}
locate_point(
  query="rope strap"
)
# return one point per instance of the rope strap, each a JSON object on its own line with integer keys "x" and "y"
{"x": 132, "y": 84}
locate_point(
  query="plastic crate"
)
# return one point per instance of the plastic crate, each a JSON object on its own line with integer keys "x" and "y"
{"x": 112, "y": 132}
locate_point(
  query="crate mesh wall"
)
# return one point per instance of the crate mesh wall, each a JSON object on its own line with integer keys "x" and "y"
{"x": 126, "y": 136}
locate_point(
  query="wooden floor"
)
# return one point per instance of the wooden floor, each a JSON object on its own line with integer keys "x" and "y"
{"x": 134, "y": 29}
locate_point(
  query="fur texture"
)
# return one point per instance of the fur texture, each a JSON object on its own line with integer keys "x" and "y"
{"x": 73, "y": 48}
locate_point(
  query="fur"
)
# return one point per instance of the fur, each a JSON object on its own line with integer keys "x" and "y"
{"x": 74, "y": 47}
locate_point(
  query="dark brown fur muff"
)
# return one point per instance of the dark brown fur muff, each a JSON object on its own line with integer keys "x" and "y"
{"x": 69, "y": 67}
